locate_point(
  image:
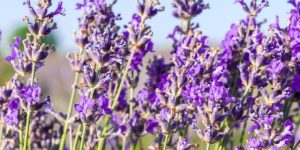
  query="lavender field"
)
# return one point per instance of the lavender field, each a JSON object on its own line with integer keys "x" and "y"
{"x": 121, "y": 89}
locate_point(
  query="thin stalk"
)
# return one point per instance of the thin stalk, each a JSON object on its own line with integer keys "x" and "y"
{"x": 28, "y": 110}
{"x": 207, "y": 146}
{"x": 103, "y": 134}
{"x": 217, "y": 147}
{"x": 77, "y": 137}
{"x": 131, "y": 95}
{"x": 131, "y": 92}
{"x": 1, "y": 130}
{"x": 71, "y": 140}
{"x": 123, "y": 79}
{"x": 115, "y": 101}
{"x": 20, "y": 138}
{"x": 83, "y": 137}
{"x": 27, "y": 130}
{"x": 70, "y": 108}
{"x": 32, "y": 73}
{"x": 124, "y": 143}
{"x": 188, "y": 24}
{"x": 167, "y": 137}
{"x": 242, "y": 137}
{"x": 72, "y": 98}
{"x": 84, "y": 125}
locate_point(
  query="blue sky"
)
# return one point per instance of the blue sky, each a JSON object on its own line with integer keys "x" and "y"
{"x": 214, "y": 22}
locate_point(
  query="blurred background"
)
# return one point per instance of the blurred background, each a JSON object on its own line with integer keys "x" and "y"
{"x": 56, "y": 77}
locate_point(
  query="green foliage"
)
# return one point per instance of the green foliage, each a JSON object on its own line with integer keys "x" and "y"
{"x": 22, "y": 31}
{"x": 6, "y": 71}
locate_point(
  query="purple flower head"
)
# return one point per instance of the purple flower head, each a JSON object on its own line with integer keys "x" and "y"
{"x": 103, "y": 47}
{"x": 97, "y": 25}
{"x": 183, "y": 144}
{"x": 187, "y": 9}
{"x": 158, "y": 71}
{"x": 191, "y": 55}
{"x": 293, "y": 29}
{"x": 211, "y": 135}
{"x": 36, "y": 52}
{"x": 137, "y": 123}
{"x": 148, "y": 100}
{"x": 139, "y": 37}
{"x": 151, "y": 126}
{"x": 147, "y": 8}
{"x": 77, "y": 61}
{"x": 30, "y": 95}
{"x": 254, "y": 143}
{"x": 95, "y": 78}
{"x": 12, "y": 115}
{"x": 254, "y": 7}
{"x": 5, "y": 93}
{"x": 18, "y": 59}
{"x": 14, "y": 50}
{"x": 42, "y": 24}
{"x": 234, "y": 42}
{"x": 91, "y": 110}
{"x": 212, "y": 105}
{"x": 266, "y": 136}
{"x": 296, "y": 83}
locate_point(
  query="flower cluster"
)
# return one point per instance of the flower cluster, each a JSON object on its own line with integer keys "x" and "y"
{"x": 248, "y": 89}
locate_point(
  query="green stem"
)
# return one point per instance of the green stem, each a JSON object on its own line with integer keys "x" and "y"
{"x": 207, "y": 146}
{"x": 20, "y": 138}
{"x": 72, "y": 98}
{"x": 217, "y": 147}
{"x": 115, "y": 100}
{"x": 102, "y": 138}
{"x": 32, "y": 73}
{"x": 242, "y": 137}
{"x": 131, "y": 95}
{"x": 1, "y": 131}
{"x": 83, "y": 137}
{"x": 124, "y": 143}
{"x": 70, "y": 108}
{"x": 28, "y": 110}
{"x": 166, "y": 141}
{"x": 27, "y": 130}
{"x": 188, "y": 24}
{"x": 70, "y": 137}
{"x": 77, "y": 136}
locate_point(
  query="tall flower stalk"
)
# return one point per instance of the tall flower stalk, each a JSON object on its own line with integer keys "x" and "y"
{"x": 33, "y": 55}
{"x": 248, "y": 87}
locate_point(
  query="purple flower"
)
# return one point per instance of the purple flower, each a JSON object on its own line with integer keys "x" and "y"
{"x": 42, "y": 13}
{"x": 253, "y": 143}
{"x": 14, "y": 49}
{"x": 12, "y": 115}
{"x": 266, "y": 136}
{"x": 147, "y": 8}
{"x": 95, "y": 78}
{"x": 293, "y": 28}
{"x": 30, "y": 95}
{"x": 183, "y": 144}
{"x": 138, "y": 35}
{"x": 254, "y": 8}
{"x": 187, "y": 9}
{"x": 91, "y": 110}
{"x": 211, "y": 135}
{"x": 296, "y": 83}
{"x": 151, "y": 126}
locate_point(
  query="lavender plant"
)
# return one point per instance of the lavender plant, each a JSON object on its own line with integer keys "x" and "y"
{"x": 250, "y": 84}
